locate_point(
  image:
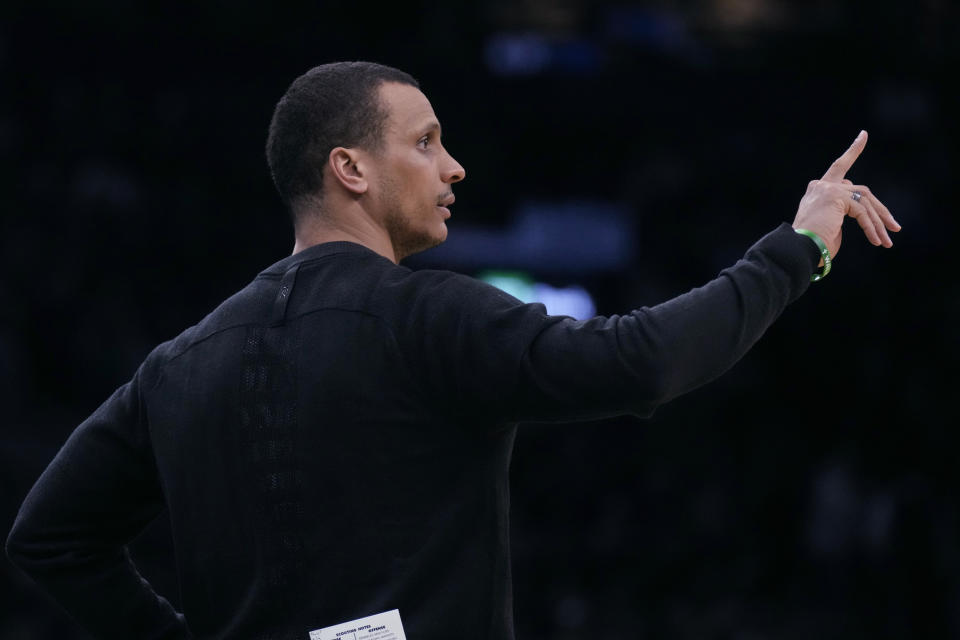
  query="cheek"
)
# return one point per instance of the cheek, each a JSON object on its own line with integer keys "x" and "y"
{"x": 416, "y": 178}
{"x": 421, "y": 167}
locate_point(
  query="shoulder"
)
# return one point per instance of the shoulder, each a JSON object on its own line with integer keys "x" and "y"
{"x": 245, "y": 307}
{"x": 435, "y": 307}
{"x": 439, "y": 288}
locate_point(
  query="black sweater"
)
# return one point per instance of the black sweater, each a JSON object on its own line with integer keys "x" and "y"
{"x": 333, "y": 441}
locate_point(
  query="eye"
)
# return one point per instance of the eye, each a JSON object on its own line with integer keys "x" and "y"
{"x": 422, "y": 142}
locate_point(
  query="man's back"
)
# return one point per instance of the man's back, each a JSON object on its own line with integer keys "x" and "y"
{"x": 338, "y": 483}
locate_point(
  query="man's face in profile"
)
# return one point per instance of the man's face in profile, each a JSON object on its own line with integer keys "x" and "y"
{"x": 414, "y": 173}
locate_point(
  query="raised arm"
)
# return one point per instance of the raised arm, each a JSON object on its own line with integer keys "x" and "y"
{"x": 520, "y": 364}
{"x": 637, "y": 361}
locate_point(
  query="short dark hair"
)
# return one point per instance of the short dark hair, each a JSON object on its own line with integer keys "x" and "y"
{"x": 332, "y": 105}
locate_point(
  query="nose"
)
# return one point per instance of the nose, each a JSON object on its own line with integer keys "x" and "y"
{"x": 452, "y": 171}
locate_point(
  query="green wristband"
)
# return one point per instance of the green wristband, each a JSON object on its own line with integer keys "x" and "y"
{"x": 824, "y": 253}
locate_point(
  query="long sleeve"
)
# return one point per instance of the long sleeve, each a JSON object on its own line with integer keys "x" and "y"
{"x": 635, "y": 362}
{"x": 497, "y": 359}
{"x": 71, "y": 533}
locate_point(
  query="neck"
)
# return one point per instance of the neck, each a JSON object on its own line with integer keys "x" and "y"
{"x": 355, "y": 226}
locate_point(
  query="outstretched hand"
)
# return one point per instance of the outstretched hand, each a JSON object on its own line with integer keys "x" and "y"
{"x": 832, "y": 197}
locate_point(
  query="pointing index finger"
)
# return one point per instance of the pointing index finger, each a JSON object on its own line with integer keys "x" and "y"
{"x": 838, "y": 170}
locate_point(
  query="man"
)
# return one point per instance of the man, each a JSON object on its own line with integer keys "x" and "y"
{"x": 333, "y": 441}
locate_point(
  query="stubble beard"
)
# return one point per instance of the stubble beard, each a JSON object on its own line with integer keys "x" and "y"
{"x": 404, "y": 236}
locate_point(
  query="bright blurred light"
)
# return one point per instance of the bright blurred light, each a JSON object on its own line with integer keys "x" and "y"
{"x": 527, "y": 54}
{"x": 573, "y": 300}
{"x": 563, "y": 240}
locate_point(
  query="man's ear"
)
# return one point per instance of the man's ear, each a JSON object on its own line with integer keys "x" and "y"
{"x": 345, "y": 168}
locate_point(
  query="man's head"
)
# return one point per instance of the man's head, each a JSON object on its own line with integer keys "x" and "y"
{"x": 363, "y": 134}
{"x": 329, "y": 106}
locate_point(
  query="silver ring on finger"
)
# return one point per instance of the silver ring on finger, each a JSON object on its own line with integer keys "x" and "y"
{"x": 856, "y": 195}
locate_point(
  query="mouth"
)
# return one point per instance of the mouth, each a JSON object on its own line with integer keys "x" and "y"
{"x": 444, "y": 205}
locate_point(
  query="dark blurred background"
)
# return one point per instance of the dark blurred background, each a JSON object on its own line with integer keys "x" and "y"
{"x": 617, "y": 155}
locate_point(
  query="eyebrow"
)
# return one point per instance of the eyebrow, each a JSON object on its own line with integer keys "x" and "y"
{"x": 431, "y": 126}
